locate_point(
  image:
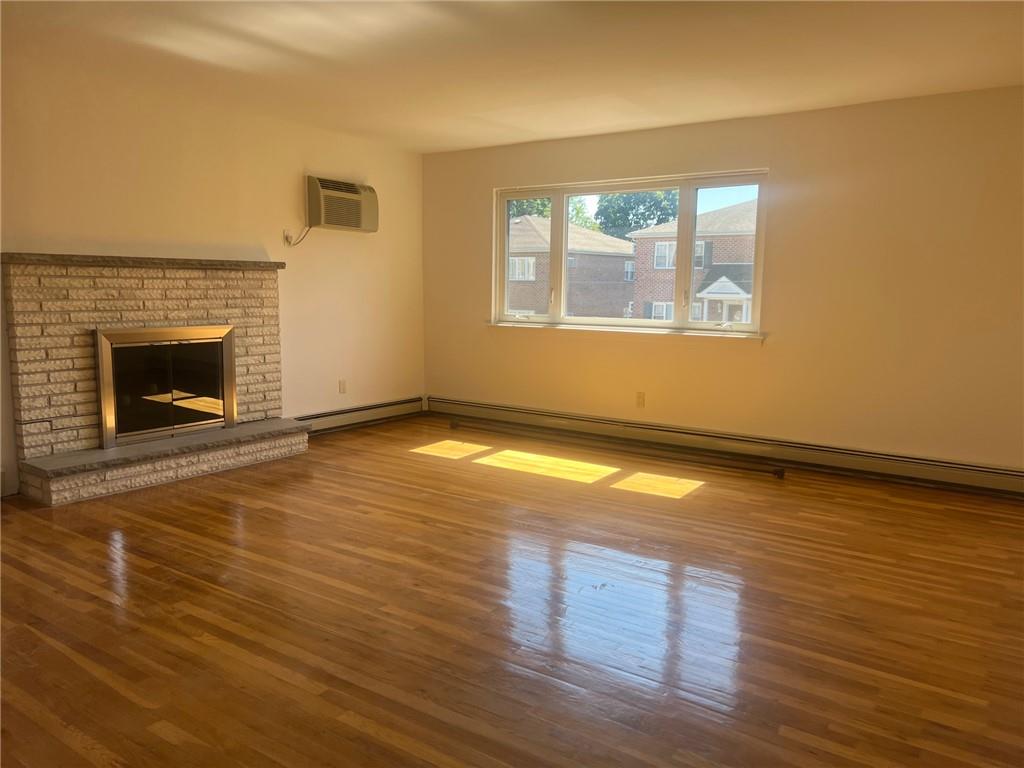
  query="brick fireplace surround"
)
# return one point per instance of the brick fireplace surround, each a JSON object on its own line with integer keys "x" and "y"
{"x": 53, "y": 304}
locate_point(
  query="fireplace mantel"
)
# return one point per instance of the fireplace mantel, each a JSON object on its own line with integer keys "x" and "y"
{"x": 87, "y": 260}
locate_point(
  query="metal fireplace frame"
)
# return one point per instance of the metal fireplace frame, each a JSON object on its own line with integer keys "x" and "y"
{"x": 108, "y": 338}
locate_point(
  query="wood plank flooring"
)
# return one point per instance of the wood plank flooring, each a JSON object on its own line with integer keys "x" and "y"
{"x": 368, "y": 605}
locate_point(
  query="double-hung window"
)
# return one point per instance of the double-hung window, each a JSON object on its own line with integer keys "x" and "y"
{"x": 622, "y": 240}
{"x": 522, "y": 268}
{"x": 665, "y": 255}
{"x": 661, "y": 310}
{"x": 698, "y": 255}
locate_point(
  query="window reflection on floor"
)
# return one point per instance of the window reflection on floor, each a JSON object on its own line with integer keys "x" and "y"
{"x": 644, "y": 621}
{"x": 709, "y": 644}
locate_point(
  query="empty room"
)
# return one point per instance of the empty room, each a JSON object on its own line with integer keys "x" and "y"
{"x": 512, "y": 384}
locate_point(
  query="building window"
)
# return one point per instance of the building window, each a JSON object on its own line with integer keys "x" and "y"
{"x": 522, "y": 268}
{"x": 627, "y": 233}
{"x": 665, "y": 255}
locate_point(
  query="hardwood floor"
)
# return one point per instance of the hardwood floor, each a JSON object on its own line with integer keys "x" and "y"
{"x": 367, "y": 605}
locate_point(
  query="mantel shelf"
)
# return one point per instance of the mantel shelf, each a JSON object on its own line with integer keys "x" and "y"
{"x": 86, "y": 260}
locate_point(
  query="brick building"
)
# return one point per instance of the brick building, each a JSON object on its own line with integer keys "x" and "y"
{"x": 723, "y": 266}
{"x": 596, "y": 275}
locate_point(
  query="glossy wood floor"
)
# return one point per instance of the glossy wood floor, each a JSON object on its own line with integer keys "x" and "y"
{"x": 365, "y": 605}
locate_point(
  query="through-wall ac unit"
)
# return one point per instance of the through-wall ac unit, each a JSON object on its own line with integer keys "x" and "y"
{"x": 340, "y": 205}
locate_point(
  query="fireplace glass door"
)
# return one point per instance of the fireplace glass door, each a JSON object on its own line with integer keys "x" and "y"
{"x": 166, "y": 386}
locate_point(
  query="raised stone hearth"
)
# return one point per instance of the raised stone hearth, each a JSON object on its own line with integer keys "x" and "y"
{"x": 64, "y": 477}
{"x": 54, "y": 304}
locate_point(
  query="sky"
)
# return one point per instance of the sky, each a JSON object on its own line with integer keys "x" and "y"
{"x": 709, "y": 199}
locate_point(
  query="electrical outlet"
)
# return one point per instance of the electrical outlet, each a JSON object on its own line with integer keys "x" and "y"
{"x": 641, "y": 399}
{"x": 342, "y": 386}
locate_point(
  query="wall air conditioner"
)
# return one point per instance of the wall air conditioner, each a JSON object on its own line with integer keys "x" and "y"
{"x": 340, "y": 205}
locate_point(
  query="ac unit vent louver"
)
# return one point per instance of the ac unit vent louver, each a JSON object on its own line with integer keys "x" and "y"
{"x": 339, "y": 186}
{"x": 341, "y": 212}
{"x": 340, "y": 205}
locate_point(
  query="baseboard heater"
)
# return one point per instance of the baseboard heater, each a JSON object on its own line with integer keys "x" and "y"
{"x": 773, "y": 453}
{"x": 361, "y": 414}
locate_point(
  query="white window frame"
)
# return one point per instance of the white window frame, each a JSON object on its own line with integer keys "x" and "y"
{"x": 688, "y": 185}
{"x": 629, "y": 270}
{"x": 698, "y": 255}
{"x": 530, "y": 269}
{"x": 667, "y": 310}
{"x": 669, "y": 258}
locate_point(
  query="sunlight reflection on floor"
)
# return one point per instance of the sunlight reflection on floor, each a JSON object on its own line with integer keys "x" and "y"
{"x": 658, "y": 485}
{"x": 551, "y": 466}
{"x": 451, "y": 449}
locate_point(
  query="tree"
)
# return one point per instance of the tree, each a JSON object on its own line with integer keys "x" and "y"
{"x": 623, "y": 212}
{"x": 579, "y": 216}
{"x": 541, "y": 206}
{"x": 531, "y": 206}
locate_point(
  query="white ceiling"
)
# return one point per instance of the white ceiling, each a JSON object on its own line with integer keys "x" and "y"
{"x": 440, "y": 76}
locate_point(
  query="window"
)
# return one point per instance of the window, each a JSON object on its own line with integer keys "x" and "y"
{"x": 603, "y": 281}
{"x": 522, "y": 268}
{"x": 665, "y": 255}
{"x": 661, "y": 310}
{"x": 724, "y": 284}
{"x": 527, "y": 243}
{"x": 606, "y": 254}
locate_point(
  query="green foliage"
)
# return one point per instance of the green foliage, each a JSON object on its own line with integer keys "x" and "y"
{"x": 534, "y": 206}
{"x": 578, "y": 214}
{"x": 623, "y": 212}
{"x": 541, "y": 206}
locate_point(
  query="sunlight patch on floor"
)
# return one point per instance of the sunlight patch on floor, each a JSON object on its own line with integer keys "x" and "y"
{"x": 658, "y": 485}
{"x": 451, "y": 449}
{"x": 538, "y": 464}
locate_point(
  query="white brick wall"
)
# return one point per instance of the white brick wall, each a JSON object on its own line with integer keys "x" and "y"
{"x": 53, "y": 308}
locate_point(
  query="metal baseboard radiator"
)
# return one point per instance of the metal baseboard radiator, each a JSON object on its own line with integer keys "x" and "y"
{"x": 347, "y": 417}
{"x": 774, "y": 452}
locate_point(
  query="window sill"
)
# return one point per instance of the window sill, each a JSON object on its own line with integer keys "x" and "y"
{"x": 630, "y": 329}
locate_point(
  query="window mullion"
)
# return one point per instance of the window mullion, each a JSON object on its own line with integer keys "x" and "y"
{"x": 684, "y": 253}
{"x": 558, "y": 258}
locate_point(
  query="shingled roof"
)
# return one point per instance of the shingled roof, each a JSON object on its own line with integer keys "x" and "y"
{"x": 738, "y": 219}
{"x": 740, "y": 275}
{"x": 532, "y": 234}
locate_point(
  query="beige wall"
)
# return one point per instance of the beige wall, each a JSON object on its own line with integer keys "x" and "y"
{"x": 892, "y": 300}
{"x": 104, "y": 153}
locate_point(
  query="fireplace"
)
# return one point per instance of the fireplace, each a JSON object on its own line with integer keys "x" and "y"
{"x": 158, "y": 382}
